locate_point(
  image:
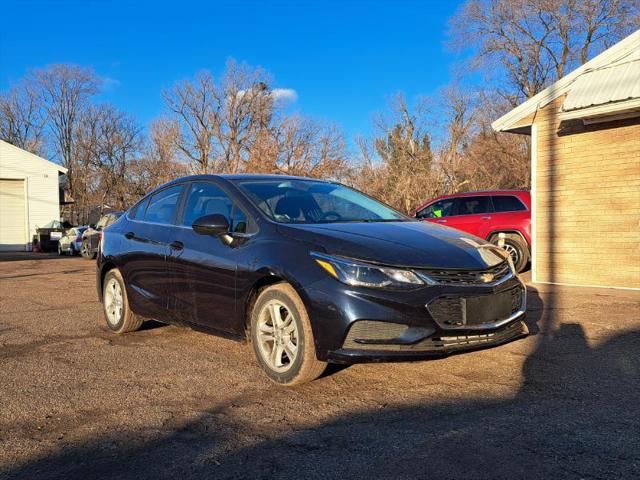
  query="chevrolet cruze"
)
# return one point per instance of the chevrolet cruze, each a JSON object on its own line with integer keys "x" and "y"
{"x": 308, "y": 271}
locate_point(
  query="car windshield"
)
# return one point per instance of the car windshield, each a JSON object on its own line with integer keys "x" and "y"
{"x": 308, "y": 201}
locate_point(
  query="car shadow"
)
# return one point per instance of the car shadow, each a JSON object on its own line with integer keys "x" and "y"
{"x": 151, "y": 325}
{"x": 22, "y": 256}
{"x": 575, "y": 415}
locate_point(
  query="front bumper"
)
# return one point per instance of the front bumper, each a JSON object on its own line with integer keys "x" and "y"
{"x": 436, "y": 346}
{"x": 400, "y": 326}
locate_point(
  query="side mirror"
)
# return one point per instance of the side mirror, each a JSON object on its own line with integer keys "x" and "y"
{"x": 215, "y": 224}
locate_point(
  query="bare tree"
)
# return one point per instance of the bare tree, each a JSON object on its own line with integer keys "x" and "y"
{"x": 457, "y": 115}
{"x": 490, "y": 159}
{"x": 306, "y": 147}
{"x": 64, "y": 92}
{"x": 107, "y": 142}
{"x": 160, "y": 161}
{"x": 403, "y": 172}
{"x": 21, "y": 119}
{"x": 220, "y": 121}
{"x": 534, "y": 43}
{"x": 248, "y": 113}
{"x": 164, "y": 134}
{"x": 196, "y": 107}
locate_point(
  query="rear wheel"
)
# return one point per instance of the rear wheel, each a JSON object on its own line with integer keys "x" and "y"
{"x": 282, "y": 338}
{"x": 119, "y": 317}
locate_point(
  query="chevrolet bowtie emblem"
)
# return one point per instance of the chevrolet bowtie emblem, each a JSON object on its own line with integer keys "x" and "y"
{"x": 487, "y": 277}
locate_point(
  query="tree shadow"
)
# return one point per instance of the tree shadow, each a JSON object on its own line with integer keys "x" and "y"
{"x": 576, "y": 415}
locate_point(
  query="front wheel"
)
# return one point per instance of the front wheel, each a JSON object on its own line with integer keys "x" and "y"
{"x": 282, "y": 338}
{"x": 517, "y": 250}
{"x": 120, "y": 318}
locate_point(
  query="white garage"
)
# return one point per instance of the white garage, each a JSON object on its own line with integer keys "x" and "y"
{"x": 29, "y": 196}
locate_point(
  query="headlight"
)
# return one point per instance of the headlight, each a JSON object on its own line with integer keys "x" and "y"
{"x": 360, "y": 274}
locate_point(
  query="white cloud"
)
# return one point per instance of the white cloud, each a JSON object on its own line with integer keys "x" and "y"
{"x": 110, "y": 83}
{"x": 279, "y": 95}
{"x": 284, "y": 94}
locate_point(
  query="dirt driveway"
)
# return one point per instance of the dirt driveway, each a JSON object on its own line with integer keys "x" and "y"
{"x": 167, "y": 402}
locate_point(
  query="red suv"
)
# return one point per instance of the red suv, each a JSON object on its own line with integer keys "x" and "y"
{"x": 487, "y": 215}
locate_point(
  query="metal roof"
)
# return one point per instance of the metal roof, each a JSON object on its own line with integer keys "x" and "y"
{"x": 617, "y": 82}
{"x": 514, "y": 120}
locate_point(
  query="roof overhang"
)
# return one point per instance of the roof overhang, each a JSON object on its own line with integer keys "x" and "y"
{"x": 607, "y": 112}
{"x": 515, "y": 120}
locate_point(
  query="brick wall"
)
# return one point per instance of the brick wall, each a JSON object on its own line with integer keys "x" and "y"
{"x": 587, "y": 201}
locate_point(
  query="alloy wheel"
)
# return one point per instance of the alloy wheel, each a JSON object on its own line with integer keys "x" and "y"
{"x": 513, "y": 252}
{"x": 113, "y": 301}
{"x": 277, "y": 336}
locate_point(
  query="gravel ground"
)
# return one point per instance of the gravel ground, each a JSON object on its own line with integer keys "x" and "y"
{"x": 79, "y": 402}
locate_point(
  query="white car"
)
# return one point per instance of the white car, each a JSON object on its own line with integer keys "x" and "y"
{"x": 71, "y": 242}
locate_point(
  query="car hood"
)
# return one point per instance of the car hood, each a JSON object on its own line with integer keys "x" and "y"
{"x": 406, "y": 244}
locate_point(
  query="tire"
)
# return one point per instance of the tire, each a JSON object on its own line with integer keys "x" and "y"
{"x": 85, "y": 250}
{"x": 121, "y": 319}
{"x": 294, "y": 329}
{"x": 518, "y": 250}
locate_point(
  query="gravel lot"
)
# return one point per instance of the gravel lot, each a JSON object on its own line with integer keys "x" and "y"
{"x": 167, "y": 402}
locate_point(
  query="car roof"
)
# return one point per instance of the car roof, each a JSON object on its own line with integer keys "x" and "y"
{"x": 242, "y": 176}
{"x": 481, "y": 193}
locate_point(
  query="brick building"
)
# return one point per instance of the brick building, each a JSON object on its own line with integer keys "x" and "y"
{"x": 585, "y": 167}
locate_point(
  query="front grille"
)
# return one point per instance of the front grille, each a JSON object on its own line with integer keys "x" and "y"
{"x": 455, "y": 311}
{"x": 444, "y": 343}
{"x": 469, "y": 277}
{"x": 372, "y": 330}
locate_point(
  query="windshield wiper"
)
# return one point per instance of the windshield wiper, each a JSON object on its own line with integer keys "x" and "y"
{"x": 378, "y": 220}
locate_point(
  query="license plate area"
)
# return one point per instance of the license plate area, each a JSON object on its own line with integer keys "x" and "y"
{"x": 455, "y": 311}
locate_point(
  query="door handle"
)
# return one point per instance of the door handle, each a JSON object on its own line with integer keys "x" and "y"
{"x": 441, "y": 221}
{"x": 129, "y": 235}
{"x": 485, "y": 218}
{"x": 177, "y": 245}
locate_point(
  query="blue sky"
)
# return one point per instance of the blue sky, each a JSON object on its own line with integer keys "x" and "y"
{"x": 344, "y": 59}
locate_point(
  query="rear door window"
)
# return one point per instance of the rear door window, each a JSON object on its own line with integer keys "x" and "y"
{"x": 137, "y": 212}
{"x": 163, "y": 205}
{"x": 508, "y": 203}
{"x": 441, "y": 208}
{"x": 473, "y": 205}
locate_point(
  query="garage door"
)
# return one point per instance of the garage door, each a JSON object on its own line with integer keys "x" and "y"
{"x": 12, "y": 215}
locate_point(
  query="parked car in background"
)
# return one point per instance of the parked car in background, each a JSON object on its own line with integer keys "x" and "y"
{"x": 92, "y": 236}
{"x": 501, "y": 217}
{"x": 309, "y": 271}
{"x": 71, "y": 241}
